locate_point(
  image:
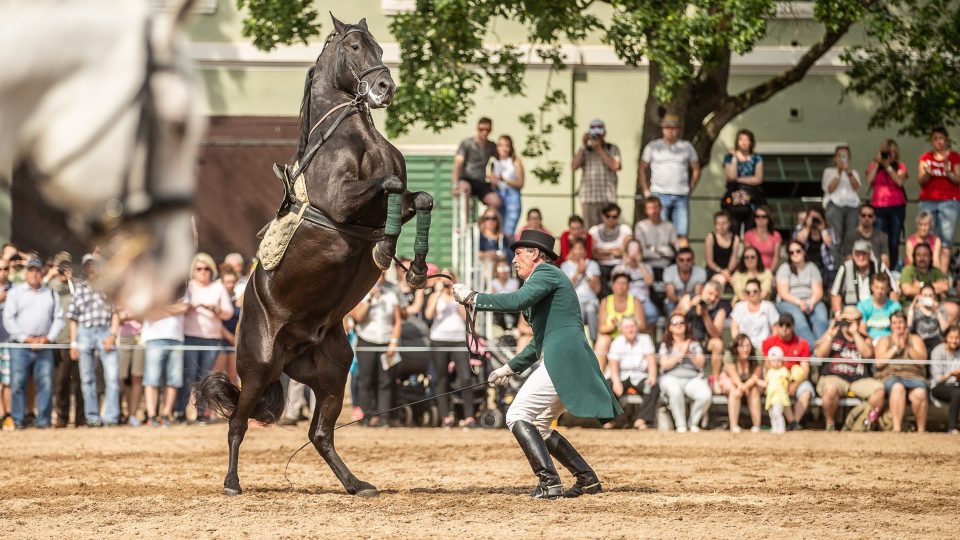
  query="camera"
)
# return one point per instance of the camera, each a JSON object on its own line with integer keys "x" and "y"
{"x": 925, "y": 301}
{"x": 842, "y": 323}
{"x": 884, "y": 155}
{"x": 816, "y": 220}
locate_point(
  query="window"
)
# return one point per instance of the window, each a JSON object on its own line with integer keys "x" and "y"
{"x": 791, "y": 183}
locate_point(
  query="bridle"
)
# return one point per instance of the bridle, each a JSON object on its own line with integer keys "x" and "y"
{"x": 131, "y": 205}
{"x": 363, "y": 87}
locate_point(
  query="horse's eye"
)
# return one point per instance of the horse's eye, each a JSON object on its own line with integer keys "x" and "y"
{"x": 356, "y": 47}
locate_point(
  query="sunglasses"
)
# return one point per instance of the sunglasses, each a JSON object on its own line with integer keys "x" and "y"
{"x": 760, "y": 216}
{"x": 871, "y": 216}
{"x": 685, "y": 260}
{"x": 795, "y": 251}
{"x": 786, "y": 325}
{"x": 611, "y": 216}
{"x": 202, "y": 269}
{"x": 753, "y": 291}
{"x": 678, "y": 322}
{"x": 750, "y": 257}
{"x": 484, "y": 129}
{"x": 488, "y": 218}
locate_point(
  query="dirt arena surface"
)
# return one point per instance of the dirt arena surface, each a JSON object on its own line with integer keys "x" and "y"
{"x": 151, "y": 483}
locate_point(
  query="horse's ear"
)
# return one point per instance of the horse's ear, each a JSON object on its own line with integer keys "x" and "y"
{"x": 338, "y": 26}
{"x": 363, "y": 24}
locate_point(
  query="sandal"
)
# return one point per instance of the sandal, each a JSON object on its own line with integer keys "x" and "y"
{"x": 640, "y": 424}
{"x": 448, "y": 421}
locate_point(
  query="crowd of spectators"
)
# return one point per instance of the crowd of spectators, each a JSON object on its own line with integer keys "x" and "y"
{"x": 763, "y": 299}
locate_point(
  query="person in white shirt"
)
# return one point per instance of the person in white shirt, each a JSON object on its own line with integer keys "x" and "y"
{"x": 632, "y": 366}
{"x": 754, "y": 317}
{"x": 841, "y": 199}
{"x": 674, "y": 171}
{"x": 162, "y": 335}
{"x": 585, "y": 275}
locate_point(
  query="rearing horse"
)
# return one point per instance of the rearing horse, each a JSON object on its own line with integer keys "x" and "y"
{"x": 292, "y": 315}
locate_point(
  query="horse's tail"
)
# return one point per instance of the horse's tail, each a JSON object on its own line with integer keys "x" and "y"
{"x": 217, "y": 393}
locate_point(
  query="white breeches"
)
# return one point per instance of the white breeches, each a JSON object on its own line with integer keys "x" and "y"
{"x": 537, "y": 402}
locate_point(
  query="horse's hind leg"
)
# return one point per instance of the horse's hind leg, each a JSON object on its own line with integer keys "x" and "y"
{"x": 327, "y": 377}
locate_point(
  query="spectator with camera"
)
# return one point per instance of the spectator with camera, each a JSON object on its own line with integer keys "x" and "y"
{"x": 795, "y": 353}
{"x": 585, "y": 275}
{"x": 600, "y": 161}
{"x": 866, "y": 231}
{"x": 939, "y": 178}
{"x": 887, "y": 177}
{"x": 903, "y": 380}
{"x": 682, "y": 278}
{"x": 852, "y": 282}
{"x": 818, "y": 239}
{"x": 706, "y": 314}
{"x": 846, "y": 374}
{"x": 741, "y": 378}
{"x": 448, "y": 333}
{"x": 633, "y": 369}
{"x": 945, "y": 375}
{"x": 743, "y": 170}
{"x": 66, "y": 374}
{"x": 923, "y": 235}
{"x": 670, "y": 171}
{"x": 841, "y": 200}
{"x": 575, "y": 229}
{"x": 658, "y": 238}
{"x": 926, "y": 318}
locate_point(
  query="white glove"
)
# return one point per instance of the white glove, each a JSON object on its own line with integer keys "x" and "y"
{"x": 461, "y": 293}
{"x": 500, "y": 375}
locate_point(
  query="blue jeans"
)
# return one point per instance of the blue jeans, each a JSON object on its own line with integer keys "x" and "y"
{"x": 88, "y": 341}
{"x": 161, "y": 362}
{"x": 675, "y": 209}
{"x": 196, "y": 366}
{"x": 890, "y": 220}
{"x": 806, "y": 329}
{"x": 23, "y": 362}
{"x": 908, "y": 384}
{"x": 945, "y": 215}
{"x": 510, "y": 209}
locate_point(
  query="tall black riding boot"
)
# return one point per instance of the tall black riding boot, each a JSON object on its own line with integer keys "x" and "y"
{"x": 567, "y": 455}
{"x": 535, "y": 449}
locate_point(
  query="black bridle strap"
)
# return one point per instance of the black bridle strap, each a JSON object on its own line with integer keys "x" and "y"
{"x": 309, "y": 154}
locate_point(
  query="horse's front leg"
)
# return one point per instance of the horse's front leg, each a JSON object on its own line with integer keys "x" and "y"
{"x": 386, "y": 248}
{"x": 421, "y": 203}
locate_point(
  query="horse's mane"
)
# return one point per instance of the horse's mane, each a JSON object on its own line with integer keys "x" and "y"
{"x": 305, "y": 123}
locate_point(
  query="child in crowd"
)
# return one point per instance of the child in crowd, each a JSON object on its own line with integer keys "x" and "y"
{"x": 777, "y": 379}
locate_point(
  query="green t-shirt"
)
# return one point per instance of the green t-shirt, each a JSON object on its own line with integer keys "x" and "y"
{"x": 910, "y": 274}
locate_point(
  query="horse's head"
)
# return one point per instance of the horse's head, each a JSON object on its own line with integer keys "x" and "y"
{"x": 147, "y": 232}
{"x": 359, "y": 64}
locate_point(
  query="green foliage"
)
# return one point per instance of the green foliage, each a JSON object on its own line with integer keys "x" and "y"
{"x": 273, "y": 22}
{"x": 911, "y": 65}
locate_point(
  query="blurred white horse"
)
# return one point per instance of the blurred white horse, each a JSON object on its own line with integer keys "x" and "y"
{"x": 100, "y": 107}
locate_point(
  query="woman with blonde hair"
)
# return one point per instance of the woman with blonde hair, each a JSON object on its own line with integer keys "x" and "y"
{"x": 209, "y": 305}
{"x": 924, "y": 235}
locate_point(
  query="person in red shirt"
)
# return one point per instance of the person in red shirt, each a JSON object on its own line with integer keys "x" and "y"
{"x": 939, "y": 177}
{"x": 795, "y": 353}
{"x": 575, "y": 229}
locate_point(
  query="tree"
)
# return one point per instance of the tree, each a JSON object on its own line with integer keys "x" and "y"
{"x": 688, "y": 46}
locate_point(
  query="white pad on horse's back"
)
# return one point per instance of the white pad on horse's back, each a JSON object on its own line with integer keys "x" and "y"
{"x": 281, "y": 230}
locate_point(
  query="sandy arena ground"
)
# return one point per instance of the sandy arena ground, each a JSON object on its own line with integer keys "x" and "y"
{"x": 151, "y": 483}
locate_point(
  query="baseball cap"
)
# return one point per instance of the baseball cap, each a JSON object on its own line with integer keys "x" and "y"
{"x": 88, "y": 258}
{"x": 35, "y": 263}
{"x": 597, "y": 127}
{"x": 850, "y": 313}
{"x": 786, "y": 318}
{"x": 863, "y": 246}
{"x": 670, "y": 120}
{"x": 62, "y": 257}
{"x": 775, "y": 352}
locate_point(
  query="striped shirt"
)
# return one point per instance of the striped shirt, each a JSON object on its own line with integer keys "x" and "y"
{"x": 90, "y": 308}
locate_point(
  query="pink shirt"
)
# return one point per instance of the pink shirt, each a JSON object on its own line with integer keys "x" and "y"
{"x": 201, "y": 322}
{"x": 766, "y": 249}
{"x": 886, "y": 192}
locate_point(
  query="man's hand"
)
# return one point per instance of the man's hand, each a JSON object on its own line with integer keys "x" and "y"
{"x": 501, "y": 375}
{"x": 109, "y": 342}
{"x": 463, "y": 294}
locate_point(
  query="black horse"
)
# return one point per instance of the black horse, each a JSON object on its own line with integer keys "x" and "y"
{"x": 292, "y": 315}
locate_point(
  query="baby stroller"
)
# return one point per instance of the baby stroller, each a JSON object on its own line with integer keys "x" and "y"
{"x": 412, "y": 377}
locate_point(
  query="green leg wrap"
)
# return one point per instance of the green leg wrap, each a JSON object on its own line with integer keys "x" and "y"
{"x": 421, "y": 241}
{"x": 394, "y": 214}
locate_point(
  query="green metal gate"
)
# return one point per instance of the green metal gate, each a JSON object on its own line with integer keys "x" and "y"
{"x": 432, "y": 174}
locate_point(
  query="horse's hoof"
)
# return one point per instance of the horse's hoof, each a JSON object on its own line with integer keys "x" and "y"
{"x": 231, "y": 492}
{"x": 417, "y": 281}
{"x": 382, "y": 260}
{"x": 369, "y": 492}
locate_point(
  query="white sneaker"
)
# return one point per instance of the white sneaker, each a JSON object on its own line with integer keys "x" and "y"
{"x": 681, "y": 430}
{"x": 755, "y": 429}
{"x": 694, "y": 429}
{"x": 735, "y": 429}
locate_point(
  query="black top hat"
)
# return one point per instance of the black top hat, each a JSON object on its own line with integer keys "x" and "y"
{"x": 536, "y": 239}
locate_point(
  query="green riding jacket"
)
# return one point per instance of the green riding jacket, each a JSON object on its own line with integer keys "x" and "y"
{"x": 549, "y": 303}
